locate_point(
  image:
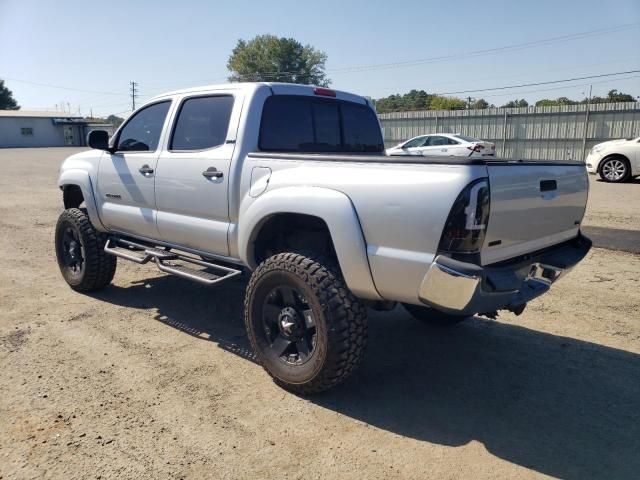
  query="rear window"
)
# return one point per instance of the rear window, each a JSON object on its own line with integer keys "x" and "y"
{"x": 293, "y": 123}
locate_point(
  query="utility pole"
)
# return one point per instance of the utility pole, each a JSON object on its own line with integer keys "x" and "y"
{"x": 586, "y": 125}
{"x": 134, "y": 94}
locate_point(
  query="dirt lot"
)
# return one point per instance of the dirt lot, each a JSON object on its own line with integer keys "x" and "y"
{"x": 152, "y": 378}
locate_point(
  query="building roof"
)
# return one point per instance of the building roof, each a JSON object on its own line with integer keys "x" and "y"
{"x": 37, "y": 114}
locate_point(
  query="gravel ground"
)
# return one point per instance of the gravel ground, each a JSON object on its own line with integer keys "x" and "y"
{"x": 153, "y": 378}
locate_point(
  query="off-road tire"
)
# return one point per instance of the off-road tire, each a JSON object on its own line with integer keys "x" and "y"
{"x": 432, "y": 316}
{"x": 98, "y": 266}
{"x": 341, "y": 321}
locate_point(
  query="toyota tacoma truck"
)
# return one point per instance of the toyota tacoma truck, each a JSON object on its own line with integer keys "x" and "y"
{"x": 290, "y": 184}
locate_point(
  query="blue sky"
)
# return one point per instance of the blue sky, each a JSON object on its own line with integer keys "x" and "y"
{"x": 163, "y": 45}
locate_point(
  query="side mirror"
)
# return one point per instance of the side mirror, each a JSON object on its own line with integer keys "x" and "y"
{"x": 98, "y": 139}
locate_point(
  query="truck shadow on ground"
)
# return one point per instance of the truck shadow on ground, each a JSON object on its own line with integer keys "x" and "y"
{"x": 556, "y": 405}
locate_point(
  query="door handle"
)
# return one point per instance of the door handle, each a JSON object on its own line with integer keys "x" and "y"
{"x": 145, "y": 170}
{"x": 212, "y": 172}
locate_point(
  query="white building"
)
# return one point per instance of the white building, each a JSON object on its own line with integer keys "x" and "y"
{"x": 21, "y": 128}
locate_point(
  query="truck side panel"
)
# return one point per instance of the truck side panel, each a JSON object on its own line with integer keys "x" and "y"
{"x": 401, "y": 208}
{"x": 333, "y": 207}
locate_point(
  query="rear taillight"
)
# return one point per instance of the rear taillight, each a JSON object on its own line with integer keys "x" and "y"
{"x": 467, "y": 223}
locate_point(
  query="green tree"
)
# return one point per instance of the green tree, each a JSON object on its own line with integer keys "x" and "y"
{"x": 114, "y": 120}
{"x": 516, "y": 103}
{"x": 480, "y": 103}
{"x": 274, "y": 59}
{"x": 447, "y": 103}
{"x": 614, "y": 96}
{"x": 546, "y": 102}
{"x": 7, "y": 102}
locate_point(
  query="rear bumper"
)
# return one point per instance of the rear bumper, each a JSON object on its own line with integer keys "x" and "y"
{"x": 465, "y": 288}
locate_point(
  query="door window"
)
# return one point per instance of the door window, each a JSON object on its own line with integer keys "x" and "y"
{"x": 437, "y": 141}
{"x": 142, "y": 132}
{"x": 416, "y": 142}
{"x": 202, "y": 123}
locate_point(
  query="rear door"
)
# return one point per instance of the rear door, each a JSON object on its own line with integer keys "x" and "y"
{"x": 192, "y": 180}
{"x": 436, "y": 145}
{"x": 126, "y": 198}
{"x": 533, "y": 205}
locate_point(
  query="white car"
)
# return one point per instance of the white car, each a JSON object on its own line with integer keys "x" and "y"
{"x": 616, "y": 160}
{"x": 444, "y": 144}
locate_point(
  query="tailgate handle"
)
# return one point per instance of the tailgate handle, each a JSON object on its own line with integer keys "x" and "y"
{"x": 548, "y": 185}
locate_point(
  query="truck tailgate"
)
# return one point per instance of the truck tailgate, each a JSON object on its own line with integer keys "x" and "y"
{"x": 533, "y": 205}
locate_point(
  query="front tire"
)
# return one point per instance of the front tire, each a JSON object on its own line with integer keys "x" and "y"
{"x": 432, "y": 316}
{"x": 306, "y": 328}
{"x": 84, "y": 264}
{"x": 615, "y": 170}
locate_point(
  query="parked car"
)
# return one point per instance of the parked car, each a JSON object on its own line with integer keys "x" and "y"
{"x": 445, "y": 144}
{"x": 615, "y": 161}
{"x": 290, "y": 184}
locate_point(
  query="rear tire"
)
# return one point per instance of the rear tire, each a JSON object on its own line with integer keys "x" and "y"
{"x": 615, "y": 169}
{"x": 432, "y": 316}
{"x": 84, "y": 264}
{"x": 306, "y": 328}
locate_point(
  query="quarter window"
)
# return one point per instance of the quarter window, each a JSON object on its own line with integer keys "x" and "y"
{"x": 142, "y": 132}
{"x": 202, "y": 123}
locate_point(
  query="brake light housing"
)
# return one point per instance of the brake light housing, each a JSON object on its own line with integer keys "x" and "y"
{"x": 466, "y": 226}
{"x": 325, "y": 92}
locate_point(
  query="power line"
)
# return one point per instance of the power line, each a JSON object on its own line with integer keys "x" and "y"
{"x": 560, "y": 88}
{"x": 537, "y": 83}
{"x": 265, "y": 76}
{"x": 475, "y": 53}
{"x": 61, "y": 87}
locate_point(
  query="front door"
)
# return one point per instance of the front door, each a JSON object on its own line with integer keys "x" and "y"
{"x": 126, "y": 197}
{"x": 192, "y": 181}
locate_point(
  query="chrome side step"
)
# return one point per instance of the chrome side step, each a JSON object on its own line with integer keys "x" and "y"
{"x": 210, "y": 274}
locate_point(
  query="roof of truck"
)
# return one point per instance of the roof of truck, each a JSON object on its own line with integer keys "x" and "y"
{"x": 276, "y": 87}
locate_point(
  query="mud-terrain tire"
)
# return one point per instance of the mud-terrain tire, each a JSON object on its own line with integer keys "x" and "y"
{"x": 306, "y": 328}
{"x": 432, "y": 316}
{"x": 84, "y": 264}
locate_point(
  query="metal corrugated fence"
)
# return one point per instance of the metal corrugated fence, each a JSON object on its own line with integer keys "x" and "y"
{"x": 533, "y": 133}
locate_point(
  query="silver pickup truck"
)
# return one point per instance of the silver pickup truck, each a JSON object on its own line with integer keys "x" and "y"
{"x": 291, "y": 184}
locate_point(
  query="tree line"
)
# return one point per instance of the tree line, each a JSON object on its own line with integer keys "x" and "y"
{"x": 421, "y": 100}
